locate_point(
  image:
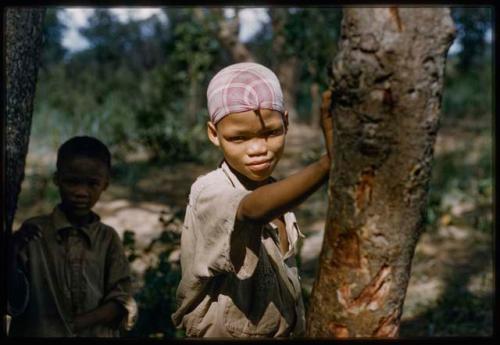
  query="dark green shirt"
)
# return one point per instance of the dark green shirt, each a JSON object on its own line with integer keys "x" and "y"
{"x": 70, "y": 271}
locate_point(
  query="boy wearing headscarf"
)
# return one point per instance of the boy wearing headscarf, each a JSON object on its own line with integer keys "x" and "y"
{"x": 239, "y": 239}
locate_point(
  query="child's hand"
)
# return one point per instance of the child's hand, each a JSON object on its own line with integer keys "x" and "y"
{"x": 24, "y": 235}
{"x": 326, "y": 121}
{"x": 109, "y": 314}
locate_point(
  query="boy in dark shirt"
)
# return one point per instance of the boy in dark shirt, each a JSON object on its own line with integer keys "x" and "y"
{"x": 68, "y": 273}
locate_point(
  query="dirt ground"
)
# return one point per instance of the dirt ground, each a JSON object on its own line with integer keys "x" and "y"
{"x": 456, "y": 260}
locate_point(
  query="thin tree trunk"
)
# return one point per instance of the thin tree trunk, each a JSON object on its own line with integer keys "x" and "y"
{"x": 23, "y": 39}
{"x": 226, "y": 30}
{"x": 387, "y": 82}
{"x": 23, "y": 35}
{"x": 228, "y": 36}
{"x": 315, "y": 115}
{"x": 286, "y": 67}
{"x": 286, "y": 72}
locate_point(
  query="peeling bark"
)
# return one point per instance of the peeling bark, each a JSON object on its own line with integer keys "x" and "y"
{"x": 388, "y": 326}
{"x": 364, "y": 189}
{"x": 386, "y": 81}
{"x": 338, "y": 331}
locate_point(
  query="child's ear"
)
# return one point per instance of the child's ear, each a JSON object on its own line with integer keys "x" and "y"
{"x": 212, "y": 134}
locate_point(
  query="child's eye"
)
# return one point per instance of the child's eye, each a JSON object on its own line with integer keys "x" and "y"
{"x": 237, "y": 138}
{"x": 276, "y": 132}
{"x": 71, "y": 181}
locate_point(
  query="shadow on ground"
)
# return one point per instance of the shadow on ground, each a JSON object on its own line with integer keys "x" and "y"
{"x": 465, "y": 305}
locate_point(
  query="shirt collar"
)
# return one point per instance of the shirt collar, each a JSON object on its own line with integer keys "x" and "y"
{"x": 231, "y": 176}
{"x": 61, "y": 223}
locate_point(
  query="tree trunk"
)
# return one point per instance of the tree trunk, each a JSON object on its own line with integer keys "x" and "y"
{"x": 386, "y": 81}
{"x": 286, "y": 72}
{"x": 228, "y": 36}
{"x": 23, "y": 35}
{"x": 287, "y": 66}
{"x": 315, "y": 115}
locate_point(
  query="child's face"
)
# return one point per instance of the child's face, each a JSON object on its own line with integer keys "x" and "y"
{"x": 252, "y": 141}
{"x": 81, "y": 181}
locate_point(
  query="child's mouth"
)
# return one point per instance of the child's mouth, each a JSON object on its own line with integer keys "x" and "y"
{"x": 256, "y": 167}
{"x": 79, "y": 204}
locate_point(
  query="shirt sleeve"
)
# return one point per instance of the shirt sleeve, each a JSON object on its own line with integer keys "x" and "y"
{"x": 17, "y": 306}
{"x": 223, "y": 244}
{"x": 118, "y": 282}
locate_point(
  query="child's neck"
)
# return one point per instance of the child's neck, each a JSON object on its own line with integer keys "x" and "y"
{"x": 77, "y": 220}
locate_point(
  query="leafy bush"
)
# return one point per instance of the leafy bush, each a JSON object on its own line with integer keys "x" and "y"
{"x": 461, "y": 192}
{"x": 468, "y": 93}
{"x": 156, "y": 298}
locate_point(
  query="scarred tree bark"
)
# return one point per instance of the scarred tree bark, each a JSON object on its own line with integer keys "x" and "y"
{"x": 23, "y": 36}
{"x": 386, "y": 81}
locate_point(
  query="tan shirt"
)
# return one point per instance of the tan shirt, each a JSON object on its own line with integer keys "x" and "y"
{"x": 233, "y": 286}
{"x": 71, "y": 271}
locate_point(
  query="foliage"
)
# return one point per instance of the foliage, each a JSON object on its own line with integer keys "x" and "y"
{"x": 157, "y": 294}
{"x": 468, "y": 93}
{"x": 472, "y": 25}
{"x": 167, "y": 122}
{"x": 461, "y": 187}
{"x": 312, "y": 34}
{"x": 52, "y": 49}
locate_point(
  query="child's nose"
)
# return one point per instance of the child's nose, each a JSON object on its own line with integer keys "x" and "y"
{"x": 80, "y": 191}
{"x": 257, "y": 146}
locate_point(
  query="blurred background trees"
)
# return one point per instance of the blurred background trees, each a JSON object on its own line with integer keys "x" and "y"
{"x": 142, "y": 83}
{"x": 140, "y": 86}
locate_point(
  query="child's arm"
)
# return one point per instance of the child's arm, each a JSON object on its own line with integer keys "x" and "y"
{"x": 17, "y": 287}
{"x": 109, "y": 313}
{"x": 270, "y": 201}
{"x": 327, "y": 121}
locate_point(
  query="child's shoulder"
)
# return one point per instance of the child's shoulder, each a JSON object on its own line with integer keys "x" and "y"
{"x": 107, "y": 230}
{"x": 42, "y": 220}
{"x": 216, "y": 176}
{"x": 213, "y": 179}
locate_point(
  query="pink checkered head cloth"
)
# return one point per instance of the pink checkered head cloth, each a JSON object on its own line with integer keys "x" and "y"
{"x": 243, "y": 87}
